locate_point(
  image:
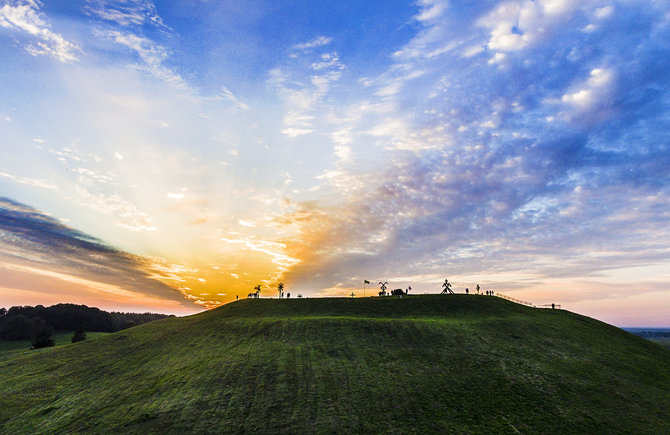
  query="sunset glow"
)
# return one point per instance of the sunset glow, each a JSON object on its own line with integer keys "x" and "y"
{"x": 170, "y": 156}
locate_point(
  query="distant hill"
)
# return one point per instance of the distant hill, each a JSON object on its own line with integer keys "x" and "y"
{"x": 23, "y": 322}
{"x": 420, "y": 364}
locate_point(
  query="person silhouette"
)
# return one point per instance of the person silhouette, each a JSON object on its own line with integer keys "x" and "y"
{"x": 467, "y": 291}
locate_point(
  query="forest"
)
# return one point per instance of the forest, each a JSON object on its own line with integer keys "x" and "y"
{"x": 24, "y": 322}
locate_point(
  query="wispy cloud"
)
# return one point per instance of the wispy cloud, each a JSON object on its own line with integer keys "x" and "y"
{"x": 227, "y": 94}
{"x": 32, "y": 240}
{"x": 319, "y": 41}
{"x": 151, "y": 54}
{"x": 24, "y": 17}
{"x": 125, "y": 12}
{"x": 34, "y": 182}
{"x": 302, "y": 94}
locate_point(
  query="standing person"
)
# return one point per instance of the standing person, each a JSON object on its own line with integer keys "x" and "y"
{"x": 467, "y": 291}
{"x": 477, "y": 288}
{"x": 237, "y": 297}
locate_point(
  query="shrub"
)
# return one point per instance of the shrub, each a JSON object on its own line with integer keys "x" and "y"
{"x": 43, "y": 339}
{"x": 79, "y": 335}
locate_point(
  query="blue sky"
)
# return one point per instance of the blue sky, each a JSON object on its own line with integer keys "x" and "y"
{"x": 212, "y": 146}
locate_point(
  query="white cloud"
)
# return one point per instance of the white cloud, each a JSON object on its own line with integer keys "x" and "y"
{"x": 472, "y": 51}
{"x": 34, "y": 182}
{"x": 516, "y": 25}
{"x": 558, "y": 7}
{"x": 430, "y": 9}
{"x": 246, "y": 223}
{"x": 300, "y": 97}
{"x": 498, "y": 58}
{"x": 604, "y": 12}
{"x": 228, "y": 95}
{"x": 327, "y": 60}
{"x": 127, "y": 214}
{"x": 124, "y": 12}
{"x": 591, "y": 93}
{"x": 152, "y": 55}
{"x": 25, "y": 17}
{"x": 295, "y": 132}
{"x": 316, "y": 42}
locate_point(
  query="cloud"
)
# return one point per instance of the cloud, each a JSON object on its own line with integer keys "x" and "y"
{"x": 319, "y": 41}
{"x": 303, "y": 97}
{"x": 593, "y": 94}
{"x": 33, "y": 241}
{"x": 151, "y": 54}
{"x": 430, "y": 9}
{"x": 92, "y": 191}
{"x": 228, "y": 95}
{"x": 524, "y": 142}
{"x": 24, "y": 16}
{"x": 125, "y": 12}
{"x": 34, "y": 182}
{"x": 516, "y": 25}
{"x": 514, "y": 166}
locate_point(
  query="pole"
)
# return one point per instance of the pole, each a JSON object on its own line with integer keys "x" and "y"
{"x": 363, "y": 288}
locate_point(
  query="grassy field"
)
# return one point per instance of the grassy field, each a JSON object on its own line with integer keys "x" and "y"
{"x": 420, "y": 364}
{"x": 60, "y": 337}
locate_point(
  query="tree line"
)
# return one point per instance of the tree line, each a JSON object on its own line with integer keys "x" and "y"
{"x": 25, "y": 322}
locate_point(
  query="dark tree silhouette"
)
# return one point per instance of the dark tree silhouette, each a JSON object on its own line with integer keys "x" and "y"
{"x": 280, "y": 289}
{"x": 256, "y": 293}
{"x": 24, "y": 322}
{"x": 18, "y": 327}
{"x": 79, "y": 335}
{"x": 447, "y": 287}
{"x": 43, "y": 339}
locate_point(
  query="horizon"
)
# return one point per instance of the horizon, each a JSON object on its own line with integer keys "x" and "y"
{"x": 624, "y": 327}
{"x": 167, "y": 157}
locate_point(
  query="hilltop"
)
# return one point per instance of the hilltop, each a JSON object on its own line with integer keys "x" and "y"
{"x": 413, "y": 365}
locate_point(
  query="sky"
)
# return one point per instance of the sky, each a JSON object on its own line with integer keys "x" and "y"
{"x": 169, "y": 156}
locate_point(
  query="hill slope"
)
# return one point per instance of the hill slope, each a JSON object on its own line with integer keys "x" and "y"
{"x": 417, "y": 364}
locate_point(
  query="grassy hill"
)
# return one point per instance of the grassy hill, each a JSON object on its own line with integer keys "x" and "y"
{"x": 413, "y": 365}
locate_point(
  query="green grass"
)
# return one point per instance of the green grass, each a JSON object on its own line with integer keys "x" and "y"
{"x": 60, "y": 337}
{"x": 664, "y": 341}
{"x": 420, "y": 364}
